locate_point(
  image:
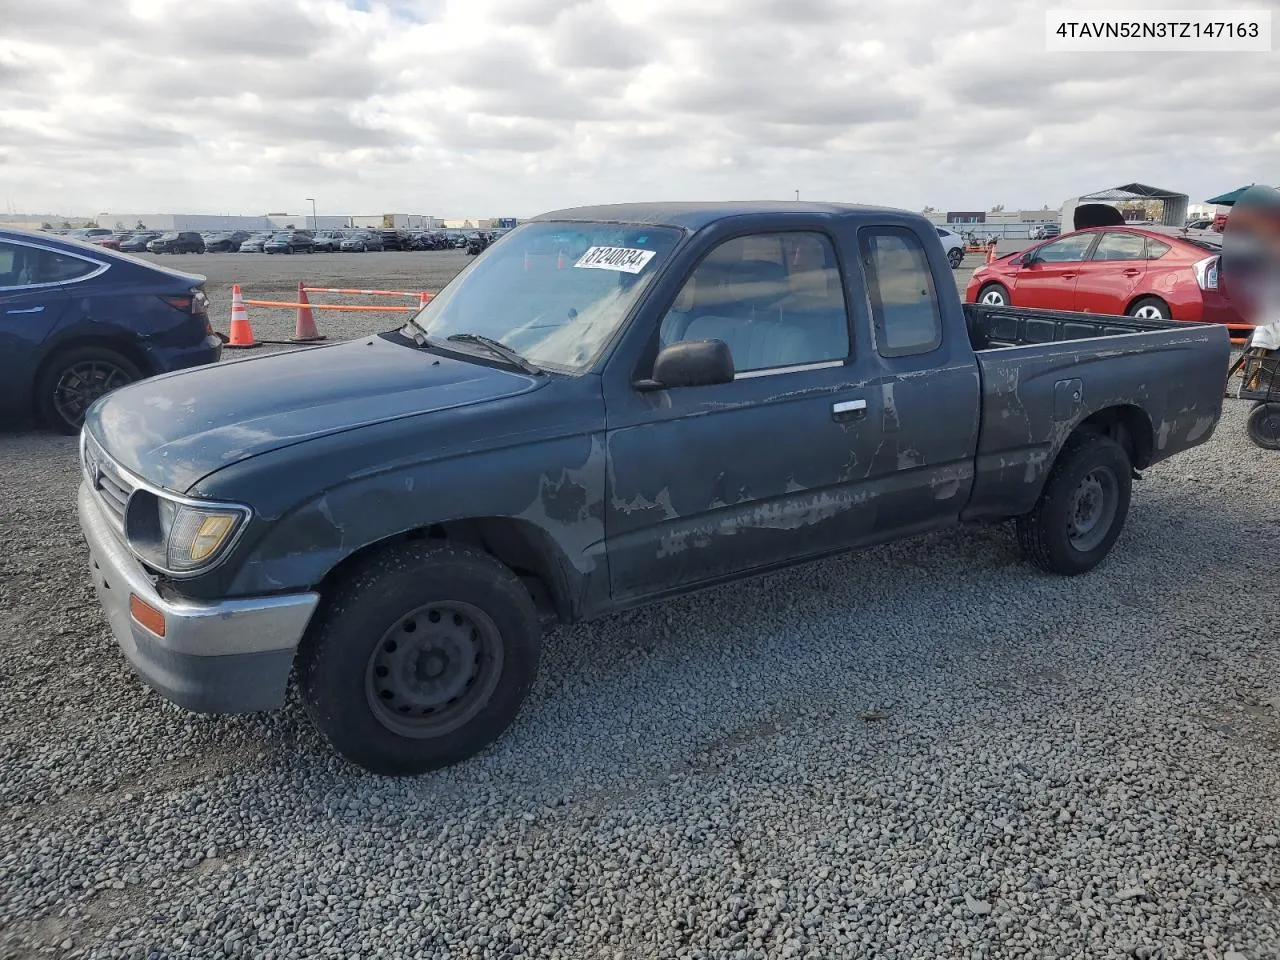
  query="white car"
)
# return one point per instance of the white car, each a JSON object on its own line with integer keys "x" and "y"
{"x": 953, "y": 243}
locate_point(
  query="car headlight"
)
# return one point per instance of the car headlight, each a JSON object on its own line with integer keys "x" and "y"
{"x": 180, "y": 537}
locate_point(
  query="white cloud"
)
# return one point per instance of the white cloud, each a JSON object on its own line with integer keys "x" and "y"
{"x": 509, "y": 107}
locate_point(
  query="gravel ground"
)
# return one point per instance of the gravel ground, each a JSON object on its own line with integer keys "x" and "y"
{"x": 921, "y": 750}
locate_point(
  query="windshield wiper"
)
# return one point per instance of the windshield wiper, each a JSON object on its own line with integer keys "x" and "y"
{"x": 497, "y": 348}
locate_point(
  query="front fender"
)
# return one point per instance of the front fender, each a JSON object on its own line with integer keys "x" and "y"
{"x": 556, "y": 487}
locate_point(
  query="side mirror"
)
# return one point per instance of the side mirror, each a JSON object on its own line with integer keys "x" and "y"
{"x": 690, "y": 363}
{"x": 1029, "y": 258}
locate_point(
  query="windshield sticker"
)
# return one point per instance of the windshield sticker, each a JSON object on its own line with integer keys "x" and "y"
{"x": 623, "y": 259}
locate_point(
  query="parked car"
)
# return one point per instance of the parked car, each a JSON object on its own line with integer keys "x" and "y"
{"x": 952, "y": 245}
{"x": 392, "y": 240}
{"x": 328, "y": 241}
{"x": 290, "y": 242}
{"x": 361, "y": 243}
{"x": 255, "y": 243}
{"x": 77, "y": 321}
{"x": 137, "y": 243}
{"x": 1045, "y": 231}
{"x": 111, "y": 241}
{"x": 1144, "y": 273}
{"x": 1200, "y": 223}
{"x": 89, "y": 233}
{"x": 558, "y": 434}
{"x": 225, "y": 242}
{"x": 177, "y": 242}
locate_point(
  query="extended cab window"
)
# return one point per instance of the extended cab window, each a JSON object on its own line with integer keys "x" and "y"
{"x": 904, "y": 302}
{"x": 1120, "y": 246}
{"x": 775, "y": 299}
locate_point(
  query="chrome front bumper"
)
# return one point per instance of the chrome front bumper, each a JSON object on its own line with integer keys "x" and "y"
{"x": 225, "y": 656}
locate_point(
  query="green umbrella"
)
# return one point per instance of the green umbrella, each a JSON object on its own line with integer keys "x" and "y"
{"x": 1228, "y": 199}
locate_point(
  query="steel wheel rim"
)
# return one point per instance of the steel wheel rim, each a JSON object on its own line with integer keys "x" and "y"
{"x": 1093, "y": 509}
{"x": 1149, "y": 312}
{"x": 434, "y": 669}
{"x": 81, "y": 384}
{"x": 993, "y": 298}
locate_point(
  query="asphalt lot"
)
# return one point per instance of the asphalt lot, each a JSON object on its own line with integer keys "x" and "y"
{"x": 921, "y": 750}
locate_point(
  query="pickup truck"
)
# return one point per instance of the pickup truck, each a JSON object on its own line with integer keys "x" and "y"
{"x": 608, "y": 406}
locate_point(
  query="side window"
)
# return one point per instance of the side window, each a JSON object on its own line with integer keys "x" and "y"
{"x": 776, "y": 299}
{"x": 1067, "y": 250}
{"x": 1156, "y": 249}
{"x": 22, "y": 266}
{"x": 904, "y": 301}
{"x": 1120, "y": 246}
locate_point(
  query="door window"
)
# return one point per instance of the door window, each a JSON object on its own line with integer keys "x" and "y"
{"x": 1120, "y": 246}
{"x": 1067, "y": 250}
{"x": 777, "y": 301}
{"x": 23, "y": 266}
{"x": 904, "y": 301}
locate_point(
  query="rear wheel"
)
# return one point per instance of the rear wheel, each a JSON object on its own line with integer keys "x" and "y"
{"x": 1082, "y": 508}
{"x": 994, "y": 295}
{"x": 420, "y": 658}
{"x": 73, "y": 380}
{"x": 1263, "y": 425}
{"x": 1150, "y": 308}
{"x": 955, "y": 257}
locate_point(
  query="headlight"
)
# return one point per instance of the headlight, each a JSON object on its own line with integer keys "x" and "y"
{"x": 180, "y": 536}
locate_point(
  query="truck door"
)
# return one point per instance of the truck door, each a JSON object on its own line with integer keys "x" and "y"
{"x": 927, "y": 381}
{"x": 708, "y": 482}
{"x": 1049, "y": 281}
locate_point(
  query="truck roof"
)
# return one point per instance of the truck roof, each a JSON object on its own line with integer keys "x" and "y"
{"x": 695, "y": 216}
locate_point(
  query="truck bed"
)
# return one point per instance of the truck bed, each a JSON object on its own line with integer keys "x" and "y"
{"x": 1157, "y": 383}
{"x": 995, "y": 327}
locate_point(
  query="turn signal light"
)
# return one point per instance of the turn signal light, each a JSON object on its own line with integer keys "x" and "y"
{"x": 146, "y": 615}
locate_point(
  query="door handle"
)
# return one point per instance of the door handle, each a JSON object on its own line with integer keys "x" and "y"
{"x": 1067, "y": 276}
{"x": 1132, "y": 273}
{"x": 28, "y": 310}
{"x": 849, "y": 410}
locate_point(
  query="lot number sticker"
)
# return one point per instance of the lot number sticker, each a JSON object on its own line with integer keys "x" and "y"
{"x": 623, "y": 259}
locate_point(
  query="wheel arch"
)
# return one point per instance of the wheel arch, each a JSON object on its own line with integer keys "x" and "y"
{"x": 127, "y": 347}
{"x": 520, "y": 545}
{"x": 1135, "y": 300}
{"x": 1126, "y": 424}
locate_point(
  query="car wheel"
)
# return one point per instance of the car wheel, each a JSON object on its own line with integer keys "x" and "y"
{"x": 955, "y": 256}
{"x": 1150, "y": 308}
{"x": 70, "y": 383}
{"x": 1082, "y": 508}
{"x": 1263, "y": 425}
{"x": 994, "y": 295}
{"x": 420, "y": 658}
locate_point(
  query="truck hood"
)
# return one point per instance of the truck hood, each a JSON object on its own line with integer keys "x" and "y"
{"x": 172, "y": 430}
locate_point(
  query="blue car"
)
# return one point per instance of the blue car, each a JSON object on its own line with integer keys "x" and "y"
{"x": 77, "y": 321}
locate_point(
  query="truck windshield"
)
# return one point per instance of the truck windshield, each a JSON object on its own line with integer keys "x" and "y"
{"x": 553, "y": 292}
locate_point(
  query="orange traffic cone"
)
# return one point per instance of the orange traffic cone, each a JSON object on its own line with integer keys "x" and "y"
{"x": 241, "y": 331}
{"x": 423, "y": 298}
{"x": 305, "y": 330}
{"x": 991, "y": 253}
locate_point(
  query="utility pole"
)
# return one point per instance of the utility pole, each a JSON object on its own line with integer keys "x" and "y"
{"x": 314, "y": 224}
{"x": 797, "y": 196}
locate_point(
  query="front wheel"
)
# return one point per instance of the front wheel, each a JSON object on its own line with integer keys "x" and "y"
{"x": 1082, "y": 508}
{"x": 993, "y": 295}
{"x": 1263, "y": 425}
{"x": 420, "y": 658}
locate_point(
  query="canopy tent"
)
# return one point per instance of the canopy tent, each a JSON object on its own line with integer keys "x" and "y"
{"x": 1228, "y": 199}
{"x": 1173, "y": 205}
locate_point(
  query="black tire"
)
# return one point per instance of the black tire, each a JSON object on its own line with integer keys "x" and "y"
{"x": 1092, "y": 470}
{"x": 1263, "y": 425}
{"x": 74, "y": 378}
{"x": 993, "y": 291}
{"x": 355, "y": 672}
{"x": 955, "y": 256}
{"x": 1150, "y": 308}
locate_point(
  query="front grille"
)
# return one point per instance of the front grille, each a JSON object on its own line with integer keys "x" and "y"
{"x": 111, "y": 486}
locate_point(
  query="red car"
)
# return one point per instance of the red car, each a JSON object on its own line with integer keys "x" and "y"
{"x": 1115, "y": 270}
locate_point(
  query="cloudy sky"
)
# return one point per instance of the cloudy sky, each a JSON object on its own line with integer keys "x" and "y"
{"x": 510, "y": 107}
